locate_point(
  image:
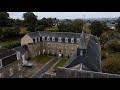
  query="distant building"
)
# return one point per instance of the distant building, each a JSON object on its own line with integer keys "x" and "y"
{"x": 10, "y": 64}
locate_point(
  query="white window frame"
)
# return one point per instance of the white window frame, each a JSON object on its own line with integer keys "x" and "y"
{"x": 18, "y": 55}
{"x": 81, "y": 52}
{"x": 59, "y": 39}
{"x": 19, "y": 67}
{"x": 43, "y": 51}
{"x": 48, "y": 38}
{"x": 78, "y": 40}
{"x": 38, "y": 38}
{"x": 66, "y": 40}
{"x": 53, "y": 39}
{"x": 11, "y": 71}
{"x": 43, "y": 38}
{"x": 35, "y": 40}
{"x": 39, "y": 52}
{"x": 72, "y": 40}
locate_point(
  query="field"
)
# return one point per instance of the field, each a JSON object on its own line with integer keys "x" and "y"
{"x": 61, "y": 63}
{"x": 43, "y": 58}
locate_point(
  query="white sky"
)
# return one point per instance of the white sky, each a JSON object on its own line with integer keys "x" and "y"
{"x": 68, "y": 15}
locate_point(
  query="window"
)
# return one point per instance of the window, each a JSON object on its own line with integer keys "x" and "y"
{"x": 38, "y": 38}
{"x": 39, "y": 52}
{"x": 18, "y": 55}
{"x": 81, "y": 52}
{"x": 1, "y": 76}
{"x": 43, "y": 51}
{"x": 53, "y": 39}
{"x": 48, "y": 45}
{"x": 78, "y": 40}
{"x": 66, "y": 40}
{"x": 59, "y": 39}
{"x": 48, "y": 38}
{"x": 35, "y": 39}
{"x": 48, "y": 52}
{"x": 72, "y": 40}
{"x": 19, "y": 67}
{"x": 43, "y": 38}
{"x": 11, "y": 71}
{"x": 43, "y": 44}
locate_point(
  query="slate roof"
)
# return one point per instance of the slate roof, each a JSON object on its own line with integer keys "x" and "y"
{"x": 91, "y": 55}
{"x": 6, "y": 52}
{"x": 21, "y": 49}
{"x": 53, "y": 34}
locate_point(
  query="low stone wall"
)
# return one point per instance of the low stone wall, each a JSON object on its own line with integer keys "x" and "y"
{"x": 73, "y": 73}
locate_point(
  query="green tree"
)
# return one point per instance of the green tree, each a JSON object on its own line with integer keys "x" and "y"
{"x": 97, "y": 28}
{"x": 4, "y": 17}
{"x": 40, "y": 28}
{"x": 118, "y": 24}
{"x": 113, "y": 45}
{"x": 77, "y": 25}
{"x": 1, "y": 32}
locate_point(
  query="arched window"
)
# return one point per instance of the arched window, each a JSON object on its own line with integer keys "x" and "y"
{"x": 53, "y": 39}
{"x": 48, "y": 38}
{"x": 66, "y": 40}
{"x": 43, "y": 38}
{"x": 72, "y": 40}
{"x": 59, "y": 39}
{"x": 78, "y": 40}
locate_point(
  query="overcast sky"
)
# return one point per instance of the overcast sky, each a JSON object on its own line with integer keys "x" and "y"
{"x": 68, "y": 15}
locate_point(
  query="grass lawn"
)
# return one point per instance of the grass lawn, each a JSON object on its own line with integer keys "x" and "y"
{"x": 5, "y": 42}
{"x": 53, "y": 28}
{"x": 43, "y": 58}
{"x": 23, "y": 30}
{"x": 61, "y": 63}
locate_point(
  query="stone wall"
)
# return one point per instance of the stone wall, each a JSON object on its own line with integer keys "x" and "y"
{"x": 16, "y": 72}
{"x": 67, "y": 49}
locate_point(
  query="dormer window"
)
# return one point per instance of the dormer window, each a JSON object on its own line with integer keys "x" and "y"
{"x": 66, "y": 40}
{"x": 43, "y": 38}
{"x": 81, "y": 53}
{"x": 48, "y": 38}
{"x": 78, "y": 40}
{"x": 18, "y": 55}
{"x": 35, "y": 39}
{"x": 38, "y": 38}
{"x": 53, "y": 39}
{"x": 72, "y": 40}
{"x": 59, "y": 39}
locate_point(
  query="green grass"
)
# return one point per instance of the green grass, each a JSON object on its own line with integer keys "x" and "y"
{"x": 61, "y": 63}
{"x": 23, "y": 29}
{"x": 6, "y": 42}
{"x": 43, "y": 58}
{"x": 51, "y": 28}
{"x": 87, "y": 29}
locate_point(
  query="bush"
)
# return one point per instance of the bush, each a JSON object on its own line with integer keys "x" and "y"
{"x": 12, "y": 45}
{"x": 40, "y": 28}
{"x": 113, "y": 45}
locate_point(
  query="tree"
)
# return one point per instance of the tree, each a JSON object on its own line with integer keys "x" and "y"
{"x": 77, "y": 25}
{"x": 30, "y": 20}
{"x": 4, "y": 17}
{"x": 19, "y": 22}
{"x": 118, "y": 24}
{"x": 1, "y": 32}
{"x": 40, "y": 28}
{"x": 97, "y": 28}
{"x": 113, "y": 45}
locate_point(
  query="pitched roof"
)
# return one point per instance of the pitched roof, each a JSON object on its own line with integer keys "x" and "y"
{"x": 6, "y": 52}
{"x": 21, "y": 49}
{"x": 53, "y": 34}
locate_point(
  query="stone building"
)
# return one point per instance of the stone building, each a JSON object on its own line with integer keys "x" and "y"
{"x": 10, "y": 64}
{"x": 53, "y": 43}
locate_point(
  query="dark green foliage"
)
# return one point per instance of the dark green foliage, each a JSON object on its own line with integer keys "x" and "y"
{"x": 31, "y": 28}
{"x": 12, "y": 45}
{"x": 40, "y": 28}
{"x": 97, "y": 28}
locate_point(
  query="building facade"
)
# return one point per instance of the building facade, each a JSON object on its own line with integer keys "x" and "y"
{"x": 53, "y": 43}
{"x": 10, "y": 64}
